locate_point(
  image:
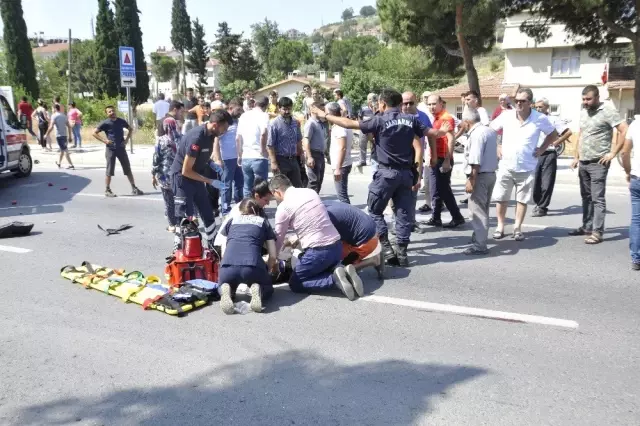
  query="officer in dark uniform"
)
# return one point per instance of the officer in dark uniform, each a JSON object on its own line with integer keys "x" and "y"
{"x": 399, "y": 152}
{"x": 193, "y": 158}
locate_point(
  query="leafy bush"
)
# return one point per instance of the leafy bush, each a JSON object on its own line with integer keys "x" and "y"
{"x": 93, "y": 108}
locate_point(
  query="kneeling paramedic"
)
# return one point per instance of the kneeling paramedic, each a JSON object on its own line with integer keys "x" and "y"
{"x": 319, "y": 265}
{"x": 242, "y": 263}
{"x": 357, "y": 231}
{"x": 192, "y": 159}
{"x": 399, "y": 150}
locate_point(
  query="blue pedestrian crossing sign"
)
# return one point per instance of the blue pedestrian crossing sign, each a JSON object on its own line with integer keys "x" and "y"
{"x": 127, "y": 67}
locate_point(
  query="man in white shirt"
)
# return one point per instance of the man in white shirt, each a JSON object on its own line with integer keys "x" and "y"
{"x": 251, "y": 143}
{"x": 340, "y": 154}
{"x": 521, "y": 132}
{"x": 473, "y": 101}
{"x": 632, "y": 169}
{"x": 160, "y": 109}
{"x": 547, "y": 162}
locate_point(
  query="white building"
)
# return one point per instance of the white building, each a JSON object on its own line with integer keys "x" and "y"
{"x": 293, "y": 84}
{"x": 172, "y": 88}
{"x": 556, "y": 70}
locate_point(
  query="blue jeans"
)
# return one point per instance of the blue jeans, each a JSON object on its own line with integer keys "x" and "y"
{"x": 342, "y": 186}
{"x": 77, "y": 138}
{"x": 634, "y": 229}
{"x": 231, "y": 176}
{"x": 315, "y": 269}
{"x": 251, "y": 169}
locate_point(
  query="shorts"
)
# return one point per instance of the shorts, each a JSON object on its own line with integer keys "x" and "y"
{"x": 121, "y": 154}
{"x": 362, "y": 250}
{"x": 506, "y": 180}
{"x": 62, "y": 143}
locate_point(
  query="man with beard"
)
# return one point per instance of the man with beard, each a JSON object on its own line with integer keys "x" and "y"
{"x": 192, "y": 160}
{"x": 285, "y": 143}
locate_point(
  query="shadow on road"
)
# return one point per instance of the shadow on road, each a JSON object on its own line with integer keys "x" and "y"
{"x": 33, "y": 195}
{"x": 288, "y": 388}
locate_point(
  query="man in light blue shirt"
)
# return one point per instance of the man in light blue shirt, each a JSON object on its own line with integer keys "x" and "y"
{"x": 226, "y": 155}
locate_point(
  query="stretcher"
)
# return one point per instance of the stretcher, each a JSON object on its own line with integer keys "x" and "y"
{"x": 134, "y": 287}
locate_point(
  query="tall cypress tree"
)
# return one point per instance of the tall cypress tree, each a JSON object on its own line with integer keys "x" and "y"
{"x": 199, "y": 55}
{"x": 106, "y": 53}
{"x": 181, "y": 33}
{"x": 21, "y": 69}
{"x": 127, "y": 25}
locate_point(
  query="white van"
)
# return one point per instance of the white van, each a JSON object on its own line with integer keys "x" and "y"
{"x": 15, "y": 154}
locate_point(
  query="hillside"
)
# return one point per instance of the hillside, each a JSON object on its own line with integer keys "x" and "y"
{"x": 356, "y": 26}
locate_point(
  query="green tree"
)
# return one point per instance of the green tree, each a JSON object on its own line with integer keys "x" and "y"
{"x": 127, "y": 25}
{"x": 247, "y": 67}
{"x": 352, "y": 52}
{"x": 84, "y": 74}
{"x": 454, "y": 28}
{"x": 367, "y": 11}
{"x": 287, "y": 55}
{"x": 163, "y": 67}
{"x": 264, "y": 36}
{"x": 234, "y": 89}
{"x": 594, "y": 24}
{"x": 199, "y": 56}
{"x": 106, "y": 53}
{"x": 52, "y": 79}
{"x": 181, "y": 33}
{"x": 21, "y": 70}
{"x": 347, "y": 14}
{"x": 226, "y": 50}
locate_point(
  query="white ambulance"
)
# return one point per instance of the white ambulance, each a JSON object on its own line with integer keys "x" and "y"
{"x": 15, "y": 154}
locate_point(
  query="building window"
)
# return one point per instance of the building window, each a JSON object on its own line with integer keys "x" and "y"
{"x": 554, "y": 109}
{"x": 209, "y": 74}
{"x": 565, "y": 62}
{"x": 459, "y": 109}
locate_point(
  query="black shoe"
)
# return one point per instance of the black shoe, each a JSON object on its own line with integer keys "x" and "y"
{"x": 465, "y": 201}
{"x": 136, "y": 191}
{"x": 425, "y": 208}
{"x": 401, "y": 254}
{"x": 387, "y": 249}
{"x": 538, "y": 212}
{"x": 418, "y": 228}
{"x": 635, "y": 266}
{"x": 433, "y": 222}
{"x": 454, "y": 223}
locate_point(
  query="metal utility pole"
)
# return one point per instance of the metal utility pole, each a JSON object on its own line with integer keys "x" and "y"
{"x": 69, "y": 71}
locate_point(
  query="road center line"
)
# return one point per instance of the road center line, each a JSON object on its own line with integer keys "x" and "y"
{"x": 14, "y": 249}
{"x": 473, "y": 312}
{"x": 464, "y": 310}
{"x": 122, "y": 197}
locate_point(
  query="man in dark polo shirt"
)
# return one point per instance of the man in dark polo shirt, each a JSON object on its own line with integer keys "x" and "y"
{"x": 193, "y": 158}
{"x": 285, "y": 143}
{"x": 116, "y": 148}
{"x": 191, "y": 118}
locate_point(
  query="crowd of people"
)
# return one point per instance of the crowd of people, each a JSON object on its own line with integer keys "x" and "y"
{"x": 214, "y": 157}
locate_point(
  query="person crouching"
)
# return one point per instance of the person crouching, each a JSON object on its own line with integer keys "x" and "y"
{"x": 242, "y": 261}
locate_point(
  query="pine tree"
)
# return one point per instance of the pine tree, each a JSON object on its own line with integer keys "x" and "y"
{"x": 247, "y": 66}
{"x": 21, "y": 69}
{"x": 106, "y": 53}
{"x": 127, "y": 25}
{"x": 199, "y": 56}
{"x": 226, "y": 49}
{"x": 181, "y": 33}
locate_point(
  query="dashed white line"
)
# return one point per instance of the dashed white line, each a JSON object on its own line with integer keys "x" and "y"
{"x": 11, "y": 249}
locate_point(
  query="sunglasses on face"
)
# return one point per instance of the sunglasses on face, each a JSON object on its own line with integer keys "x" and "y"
{"x": 408, "y": 103}
{"x": 522, "y": 101}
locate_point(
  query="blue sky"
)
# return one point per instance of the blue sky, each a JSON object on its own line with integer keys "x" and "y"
{"x": 55, "y": 17}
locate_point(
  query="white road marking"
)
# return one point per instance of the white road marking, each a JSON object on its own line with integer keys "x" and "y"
{"x": 125, "y": 197}
{"x": 464, "y": 310}
{"x": 474, "y": 312}
{"x": 14, "y": 249}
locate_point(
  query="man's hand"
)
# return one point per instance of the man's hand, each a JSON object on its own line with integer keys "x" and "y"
{"x": 469, "y": 187}
{"x": 239, "y": 161}
{"x": 417, "y": 186}
{"x": 337, "y": 175}
{"x": 154, "y": 182}
{"x": 574, "y": 164}
{"x": 539, "y": 152}
{"x": 311, "y": 163}
{"x": 433, "y": 161}
{"x": 275, "y": 169}
{"x": 320, "y": 113}
{"x": 499, "y": 152}
{"x": 629, "y": 179}
{"x": 446, "y": 165}
{"x": 607, "y": 158}
{"x": 273, "y": 267}
{"x": 219, "y": 163}
{"x": 445, "y": 127}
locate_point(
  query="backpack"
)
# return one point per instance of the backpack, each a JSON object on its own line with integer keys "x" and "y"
{"x": 42, "y": 120}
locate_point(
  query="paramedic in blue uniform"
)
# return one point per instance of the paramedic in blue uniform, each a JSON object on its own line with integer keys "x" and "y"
{"x": 399, "y": 151}
{"x": 193, "y": 157}
{"x": 242, "y": 263}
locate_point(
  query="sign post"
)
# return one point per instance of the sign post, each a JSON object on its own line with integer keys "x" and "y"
{"x": 128, "y": 77}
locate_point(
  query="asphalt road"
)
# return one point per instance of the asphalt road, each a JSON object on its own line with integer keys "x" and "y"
{"x": 70, "y": 355}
